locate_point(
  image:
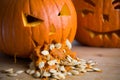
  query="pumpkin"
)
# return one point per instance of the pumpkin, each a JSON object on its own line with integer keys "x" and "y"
{"x": 25, "y": 24}
{"x": 98, "y": 22}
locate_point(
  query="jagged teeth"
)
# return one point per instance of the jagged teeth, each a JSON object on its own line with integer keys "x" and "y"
{"x": 106, "y": 37}
{"x": 92, "y": 34}
{"x": 114, "y": 35}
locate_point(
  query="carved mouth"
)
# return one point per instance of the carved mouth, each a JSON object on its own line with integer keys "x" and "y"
{"x": 108, "y": 35}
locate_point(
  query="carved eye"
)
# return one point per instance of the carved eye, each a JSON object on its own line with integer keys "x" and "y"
{"x": 87, "y": 11}
{"x": 30, "y": 21}
{"x": 117, "y": 4}
{"x": 65, "y": 11}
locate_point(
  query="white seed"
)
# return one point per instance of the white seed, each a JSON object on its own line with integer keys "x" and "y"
{"x": 68, "y": 44}
{"x": 68, "y": 56}
{"x": 83, "y": 70}
{"x": 74, "y": 72}
{"x": 69, "y": 73}
{"x": 32, "y": 72}
{"x": 28, "y": 71}
{"x": 62, "y": 68}
{"x": 64, "y": 50}
{"x": 56, "y": 77}
{"x": 58, "y": 45}
{"x": 37, "y": 74}
{"x": 12, "y": 75}
{"x": 90, "y": 61}
{"x": 52, "y": 46}
{"x": 48, "y": 57}
{"x": 46, "y": 74}
{"x": 78, "y": 59}
{"x": 82, "y": 60}
{"x": 75, "y": 62}
{"x": 61, "y": 76}
{"x": 72, "y": 67}
{"x": 41, "y": 65}
{"x": 92, "y": 64}
{"x": 8, "y": 70}
{"x": 89, "y": 70}
{"x": 69, "y": 59}
{"x": 44, "y": 52}
{"x": 32, "y": 65}
{"x": 97, "y": 69}
{"x": 19, "y": 72}
{"x": 52, "y": 62}
{"x": 53, "y": 71}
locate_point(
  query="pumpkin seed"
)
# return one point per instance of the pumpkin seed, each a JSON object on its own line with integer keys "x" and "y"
{"x": 69, "y": 45}
{"x": 44, "y": 52}
{"x": 61, "y": 76}
{"x": 74, "y": 72}
{"x": 8, "y": 70}
{"x": 31, "y": 72}
{"x": 58, "y": 45}
{"x": 12, "y": 75}
{"x": 89, "y": 70}
{"x": 52, "y": 46}
{"x": 41, "y": 65}
{"x": 69, "y": 73}
{"x": 53, "y": 71}
{"x": 62, "y": 68}
{"x": 37, "y": 74}
{"x": 46, "y": 74}
{"x": 19, "y": 72}
{"x": 52, "y": 62}
{"x": 97, "y": 69}
{"x": 28, "y": 71}
{"x": 64, "y": 50}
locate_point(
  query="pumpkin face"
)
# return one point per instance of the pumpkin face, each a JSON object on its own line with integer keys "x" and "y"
{"x": 27, "y": 22}
{"x": 98, "y": 22}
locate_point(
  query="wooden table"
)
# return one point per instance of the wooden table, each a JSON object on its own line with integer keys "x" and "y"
{"x": 108, "y": 60}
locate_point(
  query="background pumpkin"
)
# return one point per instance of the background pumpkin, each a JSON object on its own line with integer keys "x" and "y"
{"x": 98, "y": 22}
{"x": 39, "y": 21}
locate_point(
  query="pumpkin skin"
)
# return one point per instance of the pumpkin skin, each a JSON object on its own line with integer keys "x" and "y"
{"x": 98, "y": 22}
{"x": 25, "y": 22}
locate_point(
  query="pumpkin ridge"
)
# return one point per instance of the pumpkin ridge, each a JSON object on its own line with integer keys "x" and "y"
{"x": 60, "y": 19}
{"x": 13, "y": 32}
{"x": 5, "y": 42}
{"x": 2, "y": 46}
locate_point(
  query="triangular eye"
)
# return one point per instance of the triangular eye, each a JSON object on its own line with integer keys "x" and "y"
{"x": 52, "y": 30}
{"x": 30, "y": 21}
{"x": 65, "y": 11}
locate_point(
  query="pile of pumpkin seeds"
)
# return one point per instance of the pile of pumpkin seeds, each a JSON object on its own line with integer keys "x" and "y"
{"x": 75, "y": 68}
{"x": 68, "y": 66}
{"x": 64, "y": 67}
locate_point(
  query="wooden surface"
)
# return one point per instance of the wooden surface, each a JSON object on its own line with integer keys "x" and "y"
{"x": 108, "y": 60}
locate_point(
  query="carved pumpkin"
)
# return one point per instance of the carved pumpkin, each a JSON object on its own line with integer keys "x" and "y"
{"x": 27, "y": 22}
{"x": 98, "y": 22}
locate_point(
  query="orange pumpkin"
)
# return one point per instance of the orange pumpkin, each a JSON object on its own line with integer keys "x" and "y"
{"x": 27, "y": 22}
{"x": 98, "y": 22}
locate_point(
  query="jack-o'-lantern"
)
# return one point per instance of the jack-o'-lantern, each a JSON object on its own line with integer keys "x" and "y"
{"x": 25, "y": 24}
{"x": 98, "y": 22}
